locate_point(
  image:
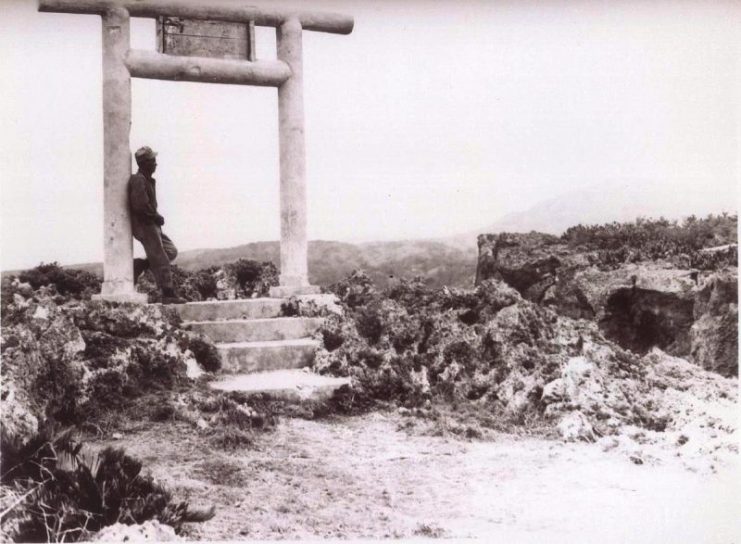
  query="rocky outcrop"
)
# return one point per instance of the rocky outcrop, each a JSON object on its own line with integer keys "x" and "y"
{"x": 68, "y": 360}
{"x": 520, "y": 363}
{"x": 684, "y": 312}
{"x": 531, "y": 263}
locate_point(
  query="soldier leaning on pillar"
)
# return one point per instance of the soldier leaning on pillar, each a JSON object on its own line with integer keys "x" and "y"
{"x": 146, "y": 226}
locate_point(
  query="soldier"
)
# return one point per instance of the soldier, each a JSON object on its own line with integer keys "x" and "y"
{"x": 146, "y": 226}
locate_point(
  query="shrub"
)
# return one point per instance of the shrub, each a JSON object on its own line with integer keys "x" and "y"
{"x": 241, "y": 279}
{"x": 182, "y": 281}
{"x": 247, "y": 272}
{"x": 68, "y": 282}
{"x": 356, "y": 290}
{"x": 251, "y": 278}
{"x": 204, "y": 282}
{"x": 70, "y": 492}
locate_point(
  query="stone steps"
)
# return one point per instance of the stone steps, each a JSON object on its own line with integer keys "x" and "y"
{"x": 257, "y": 330}
{"x": 254, "y": 308}
{"x": 239, "y": 357}
{"x": 262, "y": 351}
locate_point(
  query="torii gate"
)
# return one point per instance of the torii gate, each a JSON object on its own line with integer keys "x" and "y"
{"x": 120, "y": 63}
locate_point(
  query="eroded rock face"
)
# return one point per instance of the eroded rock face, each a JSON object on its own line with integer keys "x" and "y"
{"x": 640, "y": 319}
{"x": 530, "y": 262}
{"x": 714, "y": 333}
{"x": 640, "y": 306}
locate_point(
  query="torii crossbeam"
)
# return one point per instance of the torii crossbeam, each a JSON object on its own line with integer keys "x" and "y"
{"x": 120, "y": 63}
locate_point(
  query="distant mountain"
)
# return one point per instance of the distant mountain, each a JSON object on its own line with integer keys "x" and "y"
{"x": 439, "y": 262}
{"x": 597, "y": 205}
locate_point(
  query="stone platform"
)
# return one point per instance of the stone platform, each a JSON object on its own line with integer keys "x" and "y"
{"x": 286, "y": 384}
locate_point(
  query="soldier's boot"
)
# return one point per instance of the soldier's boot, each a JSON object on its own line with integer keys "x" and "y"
{"x": 169, "y": 297}
{"x": 140, "y": 265}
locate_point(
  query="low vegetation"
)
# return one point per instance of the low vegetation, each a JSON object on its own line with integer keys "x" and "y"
{"x": 646, "y": 239}
{"x": 56, "y": 490}
{"x": 68, "y": 284}
{"x": 241, "y": 279}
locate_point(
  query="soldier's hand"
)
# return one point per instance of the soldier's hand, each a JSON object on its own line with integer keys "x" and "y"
{"x": 159, "y": 220}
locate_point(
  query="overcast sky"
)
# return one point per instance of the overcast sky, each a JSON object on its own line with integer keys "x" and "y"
{"x": 431, "y": 118}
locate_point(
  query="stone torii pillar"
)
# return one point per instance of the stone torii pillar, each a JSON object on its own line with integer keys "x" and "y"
{"x": 120, "y": 63}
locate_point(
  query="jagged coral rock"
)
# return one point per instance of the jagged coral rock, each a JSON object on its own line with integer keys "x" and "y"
{"x": 17, "y": 418}
{"x": 66, "y": 360}
{"x": 666, "y": 400}
{"x": 513, "y": 359}
{"x": 575, "y": 426}
{"x": 41, "y": 353}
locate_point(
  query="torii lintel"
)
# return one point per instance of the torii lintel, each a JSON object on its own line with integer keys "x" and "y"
{"x": 237, "y": 12}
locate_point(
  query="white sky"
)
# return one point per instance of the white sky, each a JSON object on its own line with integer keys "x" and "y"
{"x": 431, "y": 118}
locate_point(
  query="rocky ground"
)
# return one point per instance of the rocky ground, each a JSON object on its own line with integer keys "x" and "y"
{"x": 576, "y": 394}
{"x": 388, "y": 475}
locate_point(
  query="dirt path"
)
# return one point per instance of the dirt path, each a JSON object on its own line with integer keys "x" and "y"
{"x": 364, "y": 477}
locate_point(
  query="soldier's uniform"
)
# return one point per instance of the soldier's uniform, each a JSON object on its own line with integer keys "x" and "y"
{"x": 146, "y": 226}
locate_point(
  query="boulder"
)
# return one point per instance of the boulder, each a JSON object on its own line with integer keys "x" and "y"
{"x": 574, "y": 426}
{"x": 149, "y": 531}
{"x": 41, "y": 353}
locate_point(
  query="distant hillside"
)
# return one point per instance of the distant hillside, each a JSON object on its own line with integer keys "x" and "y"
{"x": 450, "y": 261}
{"x": 441, "y": 263}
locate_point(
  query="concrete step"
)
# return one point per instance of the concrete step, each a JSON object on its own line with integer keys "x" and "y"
{"x": 238, "y": 357}
{"x": 254, "y": 308}
{"x": 257, "y": 330}
{"x": 287, "y": 384}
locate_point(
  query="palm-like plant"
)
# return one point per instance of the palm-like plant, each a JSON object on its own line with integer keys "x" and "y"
{"x": 68, "y": 491}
